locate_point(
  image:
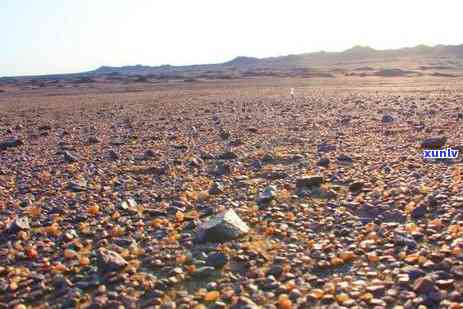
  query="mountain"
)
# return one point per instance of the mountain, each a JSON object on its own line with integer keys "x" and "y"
{"x": 421, "y": 57}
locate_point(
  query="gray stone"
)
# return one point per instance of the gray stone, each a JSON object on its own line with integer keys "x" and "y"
{"x": 224, "y": 226}
{"x": 216, "y": 188}
{"x": 267, "y": 195}
{"x": 77, "y": 185}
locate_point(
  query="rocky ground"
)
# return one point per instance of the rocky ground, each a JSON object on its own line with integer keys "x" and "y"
{"x": 231, "y": 194}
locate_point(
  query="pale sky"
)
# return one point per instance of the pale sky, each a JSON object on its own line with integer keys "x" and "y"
{"x": 61, "y": 36}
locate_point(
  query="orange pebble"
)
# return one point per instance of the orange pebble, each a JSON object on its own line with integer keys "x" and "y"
{"x": 211, "y": 296}
{"x": 93, "y": 210}
{"x": 32, "y": 253}
{"x": 84, "y": 261}
{"x": 284, "y": 302}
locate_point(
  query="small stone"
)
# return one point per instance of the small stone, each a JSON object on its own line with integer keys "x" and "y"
{"x": 344, "y": 159}
{"x": 423, "y": 285}
{"x": 228, "y": 155}
{"x": 113, "y": 155}
{"x": 109, "y": 261}
{"x": 19, "y": 224}
{"x": 419, "y": 211}
{"x": 79, "y": 185}
{"x": 216, "y": 188}
{"x": 70, "y": 157}
{"x": 326, "y": 147}
{"x": 11, "y": 143}
{"x": 205, "y": 271}
{"x": 267, "y": 195}
{"x": 217, "y": 259}
{"x": 387, "y": 118}
{"x": 93, "y": 140}
{"x": 221, "y": 169}
{"x": 244, "y": 303}
{"x": 323, "y": 162}
{"x": 309, "y": 181}
{"x": 356, "y": 186}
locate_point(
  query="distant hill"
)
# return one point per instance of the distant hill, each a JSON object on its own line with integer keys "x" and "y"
{"x": 357, "y": 58}
{"x": 440, "y": 55}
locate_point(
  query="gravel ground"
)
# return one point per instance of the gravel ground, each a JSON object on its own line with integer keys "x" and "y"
{"x": 232, "y": 195}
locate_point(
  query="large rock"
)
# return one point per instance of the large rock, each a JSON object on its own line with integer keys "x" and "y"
{"x": 434, "y": 142}
{"x": 222, "y": 227}
{"x": 109, "y": 260}
{"x": 14, "y": 142}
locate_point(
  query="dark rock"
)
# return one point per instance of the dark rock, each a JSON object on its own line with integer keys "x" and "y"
{"x": 196, "y": 162}
{"x": 344, "y": 159}
{"x": 216, "y": 188}
{"x": 419, "y": 211}
{"x": 93, "y": 140}
{"x": 222, "y": 227}
{"x": 14, "y": 142}
{"x": 274, "y": 175}
{"x": 77, "y": 185}
{"x": 424, "y": 285}
{"x": 326, "y": 147}
{"x": 228, "y": 155}
{"x": 356, "y": 186}
{"x": 275, "y": 270}
{"x": 216, "y": 259}
{"x": 221, "y": 169}
{"x": 19, "y": 224}
{"x": 268, "y": 194}
{"x": 434, "y": 142}
{"x": 149, "y": 154}
{"x": 244, "y": 303}
{"x": 323, "y": 162}
{"x": 268, "y": 158}
{"x": 403, "y": 240}
{"x": 70, "y": 157}
{"x": 113, "y": 155}
{"x": 309, "y": 181}
{"x": 394, "y": 215}
{"x": 109, "y": 261}
{"x": 225, "y": 135}
{"x": 387, "y": 119}
{"x": 414, "y": 272}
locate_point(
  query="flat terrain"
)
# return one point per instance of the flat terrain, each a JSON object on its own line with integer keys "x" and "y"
{"x": 104, "y": 189}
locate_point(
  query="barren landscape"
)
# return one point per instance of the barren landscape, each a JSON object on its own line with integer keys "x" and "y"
{"x": 230, "y": 193}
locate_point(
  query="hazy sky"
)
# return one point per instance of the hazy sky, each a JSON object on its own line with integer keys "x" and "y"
{"x": 59, "y": 36}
